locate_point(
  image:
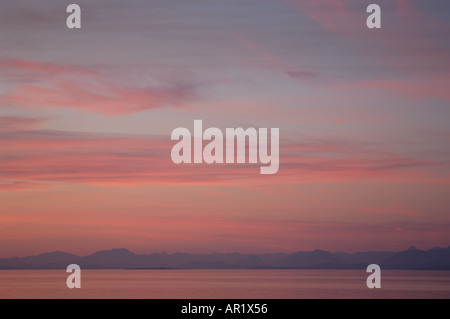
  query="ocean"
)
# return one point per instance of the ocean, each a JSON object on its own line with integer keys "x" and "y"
{"x": 223, "y": 284}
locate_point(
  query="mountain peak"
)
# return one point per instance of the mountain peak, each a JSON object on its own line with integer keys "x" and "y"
{"x": 412, "y": 248}
{"x": 55, "y": 254}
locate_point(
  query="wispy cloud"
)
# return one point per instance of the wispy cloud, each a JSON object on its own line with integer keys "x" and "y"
{"x": 111, "y": 159}
{"x": 16, "y": 123}
{"x": 56, "y": 86}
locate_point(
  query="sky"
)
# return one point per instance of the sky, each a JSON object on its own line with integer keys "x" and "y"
{"x": 86, "y": 117}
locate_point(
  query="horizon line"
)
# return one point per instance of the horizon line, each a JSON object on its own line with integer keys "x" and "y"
{"x": 230, "y": 253}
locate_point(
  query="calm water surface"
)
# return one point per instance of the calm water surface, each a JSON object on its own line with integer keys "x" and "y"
{"x": 223, "y": 284}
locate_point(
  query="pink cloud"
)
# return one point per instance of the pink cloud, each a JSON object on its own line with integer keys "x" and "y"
{"x": 9, "y": 123}
{"x": 29, "y": 67}
{"x": 393, "y": 210}
{"x": 12, "y": 185}
{"x": 135, "y": 160}
{"x": 46, "y": 85}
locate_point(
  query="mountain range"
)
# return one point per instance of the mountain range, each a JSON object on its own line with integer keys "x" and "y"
{"x": 411, "y": 259}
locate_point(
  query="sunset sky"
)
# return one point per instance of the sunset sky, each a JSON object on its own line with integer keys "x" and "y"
{"x": 86, "y": 117}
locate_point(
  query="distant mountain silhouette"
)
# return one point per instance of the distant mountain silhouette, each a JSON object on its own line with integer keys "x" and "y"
{"x": 412, "y": 258}
{"x": 52, "y": 260}
{"x": 310, "y": 259}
